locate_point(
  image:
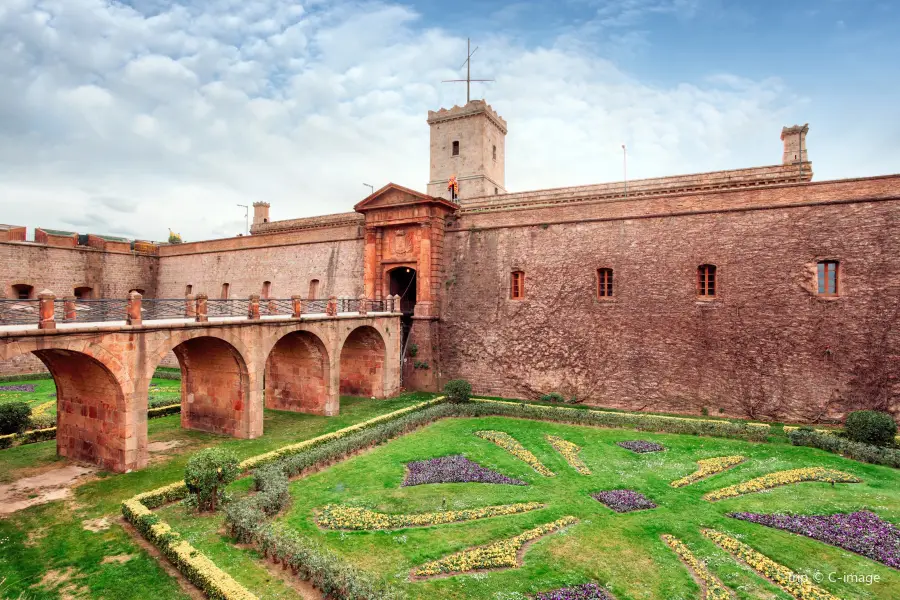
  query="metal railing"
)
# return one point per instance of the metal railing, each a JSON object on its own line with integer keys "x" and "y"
{"x": 153, "y": 309}
{"x": 17, "y": 312}
{"x": 90, "y": 311}
{"x": 276, "y": 306}
{"x": 228, "y": 308}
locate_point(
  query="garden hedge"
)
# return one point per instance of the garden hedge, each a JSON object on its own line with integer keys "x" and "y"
{"x": 868, "y": 453}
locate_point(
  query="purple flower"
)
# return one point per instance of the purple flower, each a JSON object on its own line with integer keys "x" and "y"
{"x": 587, "y": 591}
{"x": 641, "y": 446}
{"x": 862, "y": 532}
{"x": 17, "y": 388}
{"x": 453, "y": 469}
{"x": 623, "y": 501}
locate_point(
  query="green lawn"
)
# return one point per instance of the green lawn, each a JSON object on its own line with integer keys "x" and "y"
{"x": 49, "y": 542}
{"x": 622, "y": 551}
{"x": 44, "y": 394}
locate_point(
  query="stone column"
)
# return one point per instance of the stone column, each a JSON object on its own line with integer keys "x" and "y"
{"x": 45, "y": 310}
{"x": 70, "y": 314}
{"x": 190, "y": 306}
{"x": 371, "y": 261}
{"x": 201, "y": 314}
{"x": 363, "y": 308}
{"x": 133, "y": 311}
{"x": 253, "y": 311}
{"x": 331, "y": 307}
{"x": 296, "y": 306}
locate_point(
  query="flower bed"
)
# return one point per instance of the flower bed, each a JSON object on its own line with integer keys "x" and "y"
{"x": 623, "y": 501}
{"x": 335, "y": 516}
{"x": 511, "y": 445}
{"x": 28, "y": 387}
{"x": 569, "y": 452}
{"x": 453, "y": 469}
{"x": 641, "y": 446}
{"x": 714, "y": 589}
{"x": 499, "y": 555}
{"x": 796, "y": 585}
{"x": 708, "y": 468}
{"x": 767, "y": 482}
{"x": 862, "y": 532}
{"x": 585, "y": 591}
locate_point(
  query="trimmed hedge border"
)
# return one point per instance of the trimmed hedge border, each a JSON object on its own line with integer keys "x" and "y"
{"x": 867, "y": 453}
{"x": 26, "y": 377}
{"x": 42, "y": 435}
{"x": 327, "y": 571}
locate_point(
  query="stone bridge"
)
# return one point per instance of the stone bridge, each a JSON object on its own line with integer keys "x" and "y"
{"x": 300, "y": 362}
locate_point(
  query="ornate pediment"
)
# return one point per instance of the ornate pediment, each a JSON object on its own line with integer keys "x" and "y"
{"x": 393, "y": 195}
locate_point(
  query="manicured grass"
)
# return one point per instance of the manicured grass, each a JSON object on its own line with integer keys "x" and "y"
{"x": 45, "y": 392}
{"x": 51, "y": 537}
{"x": 622, "y": 551}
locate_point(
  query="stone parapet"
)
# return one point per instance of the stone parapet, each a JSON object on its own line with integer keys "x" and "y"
{"x": 335, "y": 220}
{"x": 474, "y": 107}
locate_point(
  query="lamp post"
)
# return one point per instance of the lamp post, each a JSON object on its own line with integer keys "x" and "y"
{"x": 246, "y": 216}
{"x": 370, "y": 186}
{"x": 625, "y": 168}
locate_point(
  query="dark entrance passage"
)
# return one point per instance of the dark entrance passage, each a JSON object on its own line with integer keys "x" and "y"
{"x": 403, "y": 282}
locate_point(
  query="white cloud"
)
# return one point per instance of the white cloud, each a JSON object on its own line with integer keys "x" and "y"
{"x": 180, "y": 112}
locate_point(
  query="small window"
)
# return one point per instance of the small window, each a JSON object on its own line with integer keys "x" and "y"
{"x": 456, "y": 148}
{"x": 706, "y": 281}
{"x": 517, "y": 285}
{"x": 266, "y": 289}
{"x": 188, "y": 289}
{"x": 23, "y": 291}
{"x": 138, "y": 290}
{"x": 313, "y": 289}
{"x": 265, "y": 220}
{"x": 84, "y": 293}
{"x": 604, "y": 283}
{"x": 496, "y": 191}
{"x": 225, "y": 291}
{"x": 495, "y": 152}
{"x": 828, "y": 277}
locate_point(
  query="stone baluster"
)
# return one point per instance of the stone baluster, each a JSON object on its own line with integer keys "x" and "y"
{"x": 331, "y": 309}
{"x": 69, "y": 312}
{"x": 190, "y": 306}
{"x": 201, "y": 314}
{"x": 363, "y": 305}
{"x": 296, "y": 306}
{"x": 45, "y": 310}
{"x": 253, "y": 311}
{"x": 133, "y": 311}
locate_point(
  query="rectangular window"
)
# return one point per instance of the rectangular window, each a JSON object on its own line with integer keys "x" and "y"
{"x": 456, "y": 148}
{"x": 604, "y": 283}
{"x": 828, "y": 278}
{"x": 495, "y": 152}
{"x": 313, "y": 289}
{"x": 188, "y": 289}
{"x": 266, "y": 289}
{"x": 224, "y": 291}
{"x": 517, "y": 285}
{"x": 706, "y": 281}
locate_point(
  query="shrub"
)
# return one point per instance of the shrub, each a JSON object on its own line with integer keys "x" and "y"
{"x": 876, "y": 455}
{"x": 458, "y": 390}
{"x": 553, "y": 397}
{"x": 871, "y": 427}
{"x": 207, "y": 474}
{"x": 272, "y": 484}
{"x": 14, "y": 417}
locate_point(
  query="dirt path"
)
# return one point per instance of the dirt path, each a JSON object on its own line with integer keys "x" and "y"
{"x": 54, "y": 484}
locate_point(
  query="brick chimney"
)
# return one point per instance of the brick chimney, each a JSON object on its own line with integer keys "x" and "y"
{"x": 260, "y": 213}
{"x": 794, "y": 139}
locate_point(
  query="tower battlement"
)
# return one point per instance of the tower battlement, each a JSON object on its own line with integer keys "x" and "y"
{"x": 473, "y": 108}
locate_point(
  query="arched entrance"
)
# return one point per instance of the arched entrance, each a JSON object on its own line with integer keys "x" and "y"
{"x": 402, "y": 282}
{"x": 297, "y": 374}
{"x": 362, "y": 363}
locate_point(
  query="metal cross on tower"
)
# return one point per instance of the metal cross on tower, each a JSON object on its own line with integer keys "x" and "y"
{"x": 468, "y": 66}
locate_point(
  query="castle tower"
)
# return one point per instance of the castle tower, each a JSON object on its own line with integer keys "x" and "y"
{"x": 470, "y": 143}
{"x": 260, "y": 213}
{"x": 794, "y": 144}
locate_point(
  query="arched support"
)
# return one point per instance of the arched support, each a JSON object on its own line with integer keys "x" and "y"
{"x": 298, "y": 375}
{"x": 362, "y": 364}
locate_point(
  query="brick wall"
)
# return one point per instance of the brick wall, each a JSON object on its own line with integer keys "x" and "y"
{"x": 766, "y": 347}
{"x": 61, "y": 270}
{"x": 362, "y": 364}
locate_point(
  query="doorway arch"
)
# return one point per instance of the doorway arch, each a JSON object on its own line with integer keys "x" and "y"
{"x": 402, "y": 282}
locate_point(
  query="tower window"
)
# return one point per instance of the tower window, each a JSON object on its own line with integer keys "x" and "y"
{"x": 495, "y": 152}
{"x": 313, "y": 289}
{"x": 84, "y": 293}
{"x": 517, "y": 285}
{"x": 706, "y": 281}
{"x": 188, "y": 289}
{"x": 456, "y": 148}
{"x": 225, "y": 287}
{"x": 23, "y": 291}
{"x": 496, "y": 191}
{"x": 828, "y": 277}
{"x": 604, "y": 283}
{"x": 266, "y": 289}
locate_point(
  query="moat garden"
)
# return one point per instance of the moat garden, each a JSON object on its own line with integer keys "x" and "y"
{"x": 421, "y": 497}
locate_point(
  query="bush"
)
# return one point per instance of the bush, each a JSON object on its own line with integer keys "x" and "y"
{"x": 553, "y": 397}
{"x": 458, "y": 390}
{"x": 868, "y": 453}
{"x": 871, "y": 427}
{"x": 14, "y": 417}
{"x": 272, "y": 484}
{"x": 208, "y": 473}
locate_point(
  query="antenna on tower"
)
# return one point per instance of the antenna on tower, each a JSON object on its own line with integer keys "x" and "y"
{"x": 468, "y": 65}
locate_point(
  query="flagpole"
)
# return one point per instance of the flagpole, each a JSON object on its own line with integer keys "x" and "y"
{"x": 625, "y": 168}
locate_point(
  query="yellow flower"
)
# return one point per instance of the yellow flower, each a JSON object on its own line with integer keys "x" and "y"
{"x": 511, "y": 445}
{"x": 715, "y": 590}
{"x": 570, "y": 452}
{"x": 782, "y": 478}
{"x": 350, "y": 517}
{"x": 708, "y": 467}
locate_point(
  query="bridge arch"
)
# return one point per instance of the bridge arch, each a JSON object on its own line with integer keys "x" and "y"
{"x": 362, "y": 362}
{"x": 298, "y": 374}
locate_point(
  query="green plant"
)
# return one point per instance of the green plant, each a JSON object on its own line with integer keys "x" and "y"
{"x": 553, "y": 397}
{"x": 458, "y": 390}
{"x": 421, "y": 364}
{"x": 14, "y": 417}
{"x": 871, "y": 427}
{"x": 869, "y": 453}
{"x": 207, "y": 474}
{"x": 412, "y": 350}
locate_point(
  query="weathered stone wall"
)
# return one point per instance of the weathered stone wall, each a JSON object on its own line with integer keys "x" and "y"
{"x": 61, "y": 270}
{"x": 334, "y": 256}
{"x": 766, "y": 347}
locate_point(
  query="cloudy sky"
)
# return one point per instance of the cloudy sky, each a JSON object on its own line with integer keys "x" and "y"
{"x": 131, "y": 117}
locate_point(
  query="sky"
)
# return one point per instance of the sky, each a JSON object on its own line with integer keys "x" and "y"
{"x": 135, "y": 117}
